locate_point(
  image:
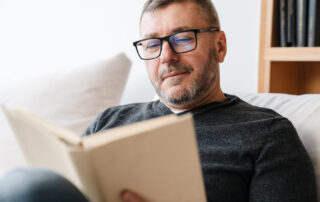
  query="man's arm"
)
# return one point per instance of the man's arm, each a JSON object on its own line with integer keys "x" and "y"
{"x": 283, "y": 170}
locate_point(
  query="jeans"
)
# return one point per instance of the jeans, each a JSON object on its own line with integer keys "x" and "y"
{"x": 37, "y": 184}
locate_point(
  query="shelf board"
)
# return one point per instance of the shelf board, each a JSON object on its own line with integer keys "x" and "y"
{"x": 292, "y": 54}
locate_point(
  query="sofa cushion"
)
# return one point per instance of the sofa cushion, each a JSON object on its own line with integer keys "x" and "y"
{"x": 71, "y": 99}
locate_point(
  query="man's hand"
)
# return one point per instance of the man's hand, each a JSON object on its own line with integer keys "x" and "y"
{"x": 129, "y": 196}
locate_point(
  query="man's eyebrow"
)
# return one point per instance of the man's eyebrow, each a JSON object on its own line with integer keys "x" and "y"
{"x": 150, "y": 35}
{"x": 177, "y": 29}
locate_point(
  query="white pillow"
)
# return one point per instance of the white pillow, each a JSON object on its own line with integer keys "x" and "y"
{"x": 70, "y": 99}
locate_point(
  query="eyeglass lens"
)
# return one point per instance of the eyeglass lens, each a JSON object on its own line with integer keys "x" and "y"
{"x": 180, "y": 43}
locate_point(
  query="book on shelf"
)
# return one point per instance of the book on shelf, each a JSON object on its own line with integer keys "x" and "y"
{"x": 314, "y": 23}
{"x": 157, "y": 158}
{"x": 291, "y": 23}
{"x": 302, "y": 6}
{"x": 283, "y": 23}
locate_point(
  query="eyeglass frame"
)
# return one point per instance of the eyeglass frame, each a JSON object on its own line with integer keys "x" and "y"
{"x": 166, "y": 38}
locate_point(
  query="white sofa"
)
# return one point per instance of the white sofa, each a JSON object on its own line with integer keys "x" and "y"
{"x": 73, "y": 99}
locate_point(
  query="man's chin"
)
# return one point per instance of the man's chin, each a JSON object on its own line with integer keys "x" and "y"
{"x": 175, "y": 96}
{"x": 175, "y": 92}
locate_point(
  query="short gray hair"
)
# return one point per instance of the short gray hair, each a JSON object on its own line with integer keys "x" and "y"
{"x": 206, "y": 6}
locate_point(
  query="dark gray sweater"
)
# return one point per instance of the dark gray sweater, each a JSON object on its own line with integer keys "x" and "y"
{"x": 247, "y": 153}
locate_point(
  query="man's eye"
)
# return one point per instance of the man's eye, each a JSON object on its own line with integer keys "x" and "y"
{"x": 153, "y": 45}
{"x": 182, "y": 41}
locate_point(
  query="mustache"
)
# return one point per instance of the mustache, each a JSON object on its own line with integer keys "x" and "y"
{"x": 175, "y": 67}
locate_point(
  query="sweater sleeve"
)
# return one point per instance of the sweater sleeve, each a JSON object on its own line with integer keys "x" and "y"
{"x": 92, "y": 127}
{"x": 283, "y": 170}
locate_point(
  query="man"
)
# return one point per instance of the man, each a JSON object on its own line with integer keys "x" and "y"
{"x": 247, "y": 153}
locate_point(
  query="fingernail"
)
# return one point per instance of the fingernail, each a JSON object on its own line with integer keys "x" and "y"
{"x": 127, "y": 195}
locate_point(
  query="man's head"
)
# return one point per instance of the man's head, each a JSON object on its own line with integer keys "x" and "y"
{"x": 189, "y": 79}
{"x": 207, "y": 9}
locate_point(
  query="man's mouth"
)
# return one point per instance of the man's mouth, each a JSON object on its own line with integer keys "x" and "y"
{"x": 174, "y": 73}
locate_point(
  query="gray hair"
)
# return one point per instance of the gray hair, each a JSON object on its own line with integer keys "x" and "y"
{"x": 207, "y": 8}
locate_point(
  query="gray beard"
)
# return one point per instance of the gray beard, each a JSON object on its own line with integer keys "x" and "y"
{"x": 198, "y": 87}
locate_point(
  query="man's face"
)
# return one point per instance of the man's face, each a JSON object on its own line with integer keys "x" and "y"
{"x": 181, "y": 79}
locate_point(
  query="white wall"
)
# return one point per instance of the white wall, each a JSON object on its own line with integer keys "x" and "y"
{"x": 39, "y": 36}
{"x": 241, "y": 22}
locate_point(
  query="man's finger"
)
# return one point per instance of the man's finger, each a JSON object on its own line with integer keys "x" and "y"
{"x": 129, "y": 196}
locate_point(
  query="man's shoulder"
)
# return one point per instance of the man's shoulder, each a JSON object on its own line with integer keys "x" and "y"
{"x": 238, "y": 115}
{"x": 247, "y": 110}
{"x": 264, "y": 119}
{"x": 134, "y": 109}
{"x": 126, "y": 114}
{"x": 234, "y": 108}
{"x": 127, "y": 108}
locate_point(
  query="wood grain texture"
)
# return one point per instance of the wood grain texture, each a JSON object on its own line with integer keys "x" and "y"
{"x": 293, "y": 70}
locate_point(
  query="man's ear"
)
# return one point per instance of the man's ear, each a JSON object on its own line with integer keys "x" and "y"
{"x": 221, "y": 46}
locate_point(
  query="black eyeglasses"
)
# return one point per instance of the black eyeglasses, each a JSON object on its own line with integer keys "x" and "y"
{"x": 180, "y": 42}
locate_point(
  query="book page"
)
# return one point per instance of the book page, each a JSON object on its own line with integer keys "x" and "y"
{"x": 41, "y": 144}
{"x": 87, "y": 176}
{"x": 32, "y": 120}
{"x": 160, "y": 164}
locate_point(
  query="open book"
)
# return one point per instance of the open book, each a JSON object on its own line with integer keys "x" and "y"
{"x": 157, "y": 158}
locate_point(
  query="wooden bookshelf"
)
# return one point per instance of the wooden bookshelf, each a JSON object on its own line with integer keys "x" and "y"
{"x": 293, "y": 70}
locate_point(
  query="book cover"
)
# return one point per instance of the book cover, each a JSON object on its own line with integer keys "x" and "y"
{"x": 302, "y": 6}
{"x": 283, "y": 23}
{"x": 291, "y": 23}
{"x": 314, "y": 23}
{"x": 157, "y": 158}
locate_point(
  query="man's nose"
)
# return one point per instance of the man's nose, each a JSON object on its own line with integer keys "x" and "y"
{"x": 167, "y": 54}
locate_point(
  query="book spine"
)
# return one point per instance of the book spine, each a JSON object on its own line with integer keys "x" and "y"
{"x": 317, "y": 24}
{"x": 291, "y": 30}
{"x": 312, "y": 22}
{"x": 283, "y": 23}
{"x": 301, "y": 22}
